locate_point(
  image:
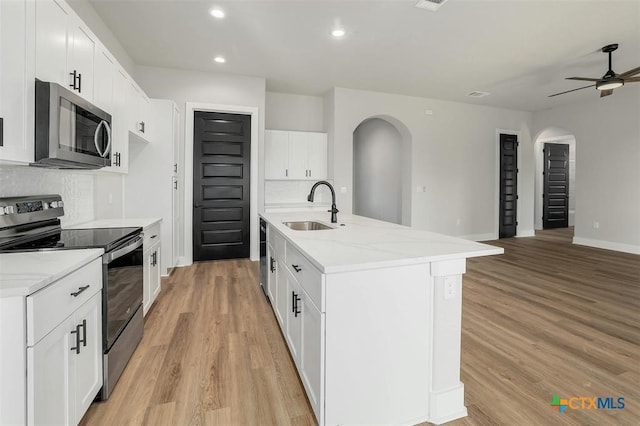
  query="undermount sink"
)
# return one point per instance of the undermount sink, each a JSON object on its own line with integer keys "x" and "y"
{"x": 307, "y": 225}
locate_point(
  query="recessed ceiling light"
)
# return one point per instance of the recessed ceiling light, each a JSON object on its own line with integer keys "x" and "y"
{"x": 220, "y": 59}
{"x": 217, "y": 13}
{"x": 338, "y": 33}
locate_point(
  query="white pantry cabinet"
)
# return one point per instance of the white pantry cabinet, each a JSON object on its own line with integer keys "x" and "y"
{"x": 295, "y": 155}
{"x": 153, "y": 172}
{"x": 17, "y": 89}
{"x": 65, "y": 48}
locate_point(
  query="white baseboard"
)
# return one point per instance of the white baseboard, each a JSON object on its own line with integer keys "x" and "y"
{"x": 526, "y": 233}
{"x": 479, "y": 237}
{"x": 607, "y": 245}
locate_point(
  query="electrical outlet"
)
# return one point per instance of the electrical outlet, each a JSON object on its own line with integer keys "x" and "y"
{"x": 449, "y": 287}
{"x": 596, "y": 225}
{"x": 343, "y": 189}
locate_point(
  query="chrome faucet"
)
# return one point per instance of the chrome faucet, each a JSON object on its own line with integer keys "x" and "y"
{"x": 334, "y": 210}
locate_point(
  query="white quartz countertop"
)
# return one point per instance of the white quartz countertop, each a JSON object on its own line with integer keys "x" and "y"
{"x": 364, "y": 243}
{"x": 22, "y": 274}
{"x": 145, "y": 223}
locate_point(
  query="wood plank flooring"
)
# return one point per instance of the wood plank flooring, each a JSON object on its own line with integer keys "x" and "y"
{"x": 546, "y": 318}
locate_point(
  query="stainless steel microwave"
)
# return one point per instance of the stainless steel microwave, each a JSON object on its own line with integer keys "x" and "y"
{"x": 70, "y": 132}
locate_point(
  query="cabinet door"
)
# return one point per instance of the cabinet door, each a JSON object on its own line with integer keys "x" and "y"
{"x": 311, "y": 351}
{"x": 154, "y": 279}
{"x": 272, "y": 275}
{"x": 276, "y": 154}
{"x": 317, "y": 156}
{"x": 52, "y": 41}
{"x": 81, "y": 56}
{"x": 103, "y": 81}
{"x": 120, "y": 123}
{"x": 281, "y": 300}
{"x": 51, "y": 377}
{"x": 298, "y": 155}
{"x": 294, "y": 318}
{"x": 143, "y": 114}
{"x": 16, "y": 81}
{"x": 88, "y": 363}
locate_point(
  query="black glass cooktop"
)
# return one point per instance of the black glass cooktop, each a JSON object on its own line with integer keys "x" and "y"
{"x": 105, "y": 238}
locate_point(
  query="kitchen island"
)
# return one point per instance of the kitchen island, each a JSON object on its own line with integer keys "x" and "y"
{"x": 371, "y": 312}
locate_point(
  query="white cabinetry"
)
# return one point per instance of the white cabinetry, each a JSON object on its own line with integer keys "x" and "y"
{"x": 65, "y": 48}
{"x": 151, "y": 261}
{"x": 53, "y": 337}
{"x": 153, "y": 172}
{"x": 139, "y": 112}
{"x": 17, "y": 89}
{"x": 120, "y": 123}
{"x": 301, "y": 321}
{"x": 295, "y": 155}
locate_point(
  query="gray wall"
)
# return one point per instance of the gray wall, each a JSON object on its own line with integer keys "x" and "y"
{"x": 607, "y": 134}
{"x": 377, "y": 171}
{"x": 453, "y": 157}
{"x": 284, "y": 111}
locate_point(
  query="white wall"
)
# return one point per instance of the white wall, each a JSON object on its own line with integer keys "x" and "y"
{"x": 285, "y": 111}
{"x": 183, "y": 87}
{"x": 607, "y": 133}
{"x": 454, "y": 155}
{"x": 377, "y": 171}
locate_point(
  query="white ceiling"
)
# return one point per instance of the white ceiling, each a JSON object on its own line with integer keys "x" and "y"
{"x": 518, "y": 50}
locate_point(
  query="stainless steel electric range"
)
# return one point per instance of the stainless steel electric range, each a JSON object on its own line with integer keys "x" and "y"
{"x": 32, "y": 223}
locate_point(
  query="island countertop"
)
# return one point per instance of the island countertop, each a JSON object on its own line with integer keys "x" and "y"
{"x": 359, "y": 243}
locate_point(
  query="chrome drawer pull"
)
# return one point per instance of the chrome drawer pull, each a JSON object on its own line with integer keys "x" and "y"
{"x": 80, "y": 290}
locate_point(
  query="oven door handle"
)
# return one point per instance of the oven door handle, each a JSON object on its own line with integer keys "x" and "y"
{"x": 109, "y": 257}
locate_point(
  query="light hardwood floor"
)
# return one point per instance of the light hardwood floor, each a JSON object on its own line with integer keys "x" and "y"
{"x": 546, "y": 318}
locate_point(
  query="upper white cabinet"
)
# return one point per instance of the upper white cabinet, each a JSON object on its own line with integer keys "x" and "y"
{"x": 17, "y": 88}
{"x": 295, "y": 155}
{"x": 105, "y": 68}
{"x": 120, "y": 122}
{"x": 65, "y": 48}
{"x": 139, "y": 112}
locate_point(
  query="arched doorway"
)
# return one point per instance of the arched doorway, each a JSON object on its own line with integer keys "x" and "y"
{"x": 381, "y": 170}
{"x": 559, "y": 140}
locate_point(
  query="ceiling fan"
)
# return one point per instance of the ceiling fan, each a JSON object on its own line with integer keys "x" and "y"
{"x": 610, "y": 80}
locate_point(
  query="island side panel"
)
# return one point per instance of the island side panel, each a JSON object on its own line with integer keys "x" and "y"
{"x": 377, "y": 346}
{"x": 446, "y": 389}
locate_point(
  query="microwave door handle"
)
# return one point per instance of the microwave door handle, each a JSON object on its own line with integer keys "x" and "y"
{"x": 95, "y": 138}
{"x": 107, "y": 129}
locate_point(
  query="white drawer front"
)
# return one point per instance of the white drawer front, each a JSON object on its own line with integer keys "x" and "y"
{"x": 305, "y": 273}
{"x": 151, "y": 236}
{"x": 50, "y": 306}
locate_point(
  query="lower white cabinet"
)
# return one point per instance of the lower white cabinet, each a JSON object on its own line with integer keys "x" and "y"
{"x": 51, "y": 352}
{"x": 151, "y": 261}
{"x": 64, "y": 369}
{"x": 301, "y": 321}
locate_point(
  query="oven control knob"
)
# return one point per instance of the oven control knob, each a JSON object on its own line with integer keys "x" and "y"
{"x": 9, "y": 210}
{"x": 60, "y": 204}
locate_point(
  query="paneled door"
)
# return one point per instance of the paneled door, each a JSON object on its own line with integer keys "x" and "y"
{"x": 221, "y": 179}
{"x": 555, "y": 207}
{"x": 508, "y": 185}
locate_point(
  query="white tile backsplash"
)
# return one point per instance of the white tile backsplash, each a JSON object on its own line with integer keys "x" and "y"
{"x": 293, "y": 192}
{"x": 75, "y": 187}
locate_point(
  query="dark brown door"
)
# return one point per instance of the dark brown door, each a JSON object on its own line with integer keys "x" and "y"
{"x": 508, "y": 185}
{"x": 555, "y": 199}
{"x": 221, "y": 178}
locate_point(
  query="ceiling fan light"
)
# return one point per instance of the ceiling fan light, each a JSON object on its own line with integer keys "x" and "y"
{"x": 611, "y": 84}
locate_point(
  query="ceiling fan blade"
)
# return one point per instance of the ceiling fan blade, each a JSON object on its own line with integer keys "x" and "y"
{"x": 604, "y": 93}
{"x": 632, "y": 80}
{"x": 582, "y": 78}
{"x": 569, "y": 91}
{"x": 629, "y": 73}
